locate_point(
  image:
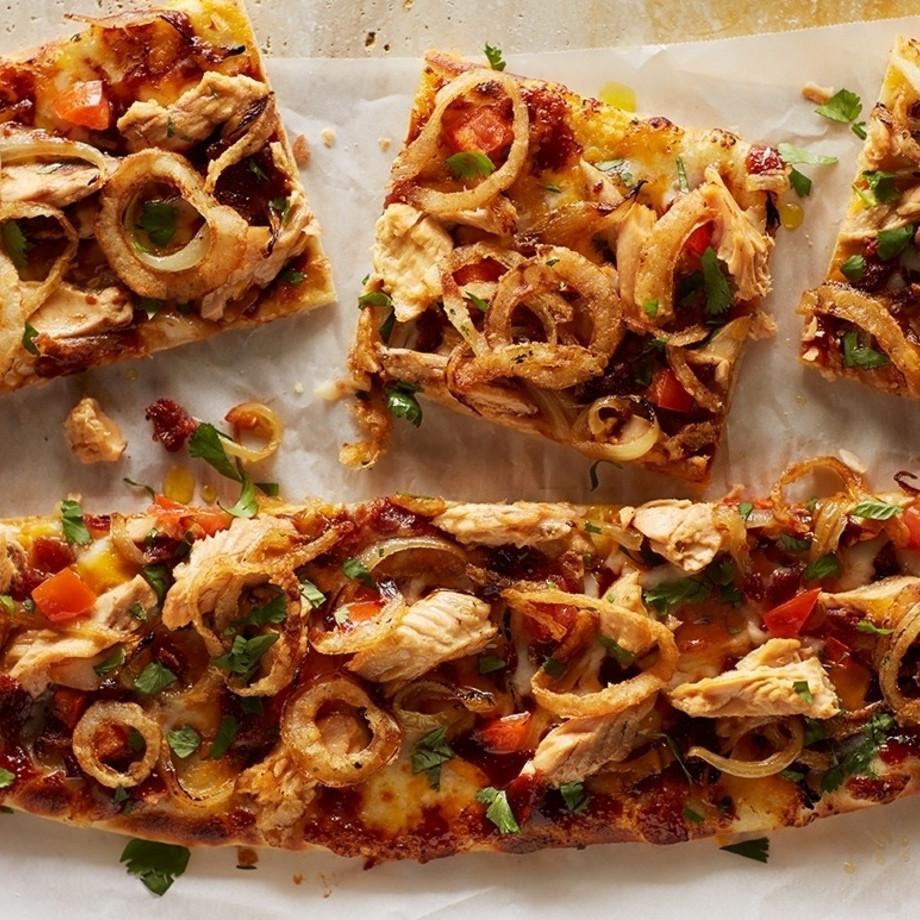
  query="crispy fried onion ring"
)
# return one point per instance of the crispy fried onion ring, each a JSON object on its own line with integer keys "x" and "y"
{"x": 34, "y": 293}
{"x": 426, "y": 148}
{"x": 333, "y": 762}
{"x": 830, "y": 514}
{"x": 862, "y": 310}
{"x": 427, "y": 705}
{"x": 200, "y": 266}
{"x": 122, "y": 542}
{"x": 112, "y": 716}
{"x": 456, "y": 306}
{"x": 787, "y": 737}
{"x": 259, "y": 419}
{"x": 578, "y": 691}
{"x": 904, "y": 617}
{"x": 564, "y": 358}
{"x": 616, "y": 428}
{"x": 427, "y": 561}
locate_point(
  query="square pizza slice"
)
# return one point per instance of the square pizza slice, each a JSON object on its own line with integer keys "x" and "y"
{"x": 862, "y": 322}
{"x": 148, "y": 194}
{"x": 561, "y": 266}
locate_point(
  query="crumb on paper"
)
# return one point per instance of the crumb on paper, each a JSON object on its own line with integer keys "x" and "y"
{"x": 92, "y": 436}
{"x": 408, "y": 4}
{"x": 298, "y": 388}
{"x": 849, "y": 867}
{"x": 333, "y": 390}
{"x": 370, "y": 40}
{"x": 852, "y": 461}
{"x": 327, "y": 136}
{"x": 301, "y": 150}
{"x": 325, "y": 885}
{"x": 817, "y": 94}
{"x": 297, "y": 878}
{"x": 384, "y": 143}
{"x": 131, "y": 374}
{"x": 246, "y": 858}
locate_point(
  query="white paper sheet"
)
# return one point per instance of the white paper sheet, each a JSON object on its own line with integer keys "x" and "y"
{"x": 844, "y": 867}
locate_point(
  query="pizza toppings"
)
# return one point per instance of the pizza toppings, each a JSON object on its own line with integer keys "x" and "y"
{"x": 92, "y": 436}
{"x": 117, "y": 744}
{"x": 84, "y": 104}
{"x": 684, "y": 532}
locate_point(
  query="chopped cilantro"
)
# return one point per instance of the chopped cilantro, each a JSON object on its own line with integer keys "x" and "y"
{"x": 554, "y": 667}
{"x": 112, "y": 663}
{"x": 854, "y": 267}
{"x": 75, "y": 529}
{"x": 856, "y": 354}
{"x": 468, "y": 164}
{"x": 622, "y": 656}
{"x": 159, "y": 578}
{"x": 184, "y": 741}
{"x": 883, "y": 185}
{"x": 892, "y": 242}
{"x": 855, "y": 755}
{"x": 745, "y": 509}
{"x": 245, "y": 654}
{"x": 844, "y": 106}
{"x": 499, "y": 811}
{"x": 825, "y": 567}
{"x": 875, "y": 509}
{"x": 674, "y": 593}
{"x": 477, "y": 302}
{"x": 793, "y": 544}
{"x": 650, "y": 307}
{"x": 800, "y": 183}
{"x": 292, "y": 276}
{"x": 247, "y": 505}
{"x": 358, "y": 571}
{"x": 205, "y": 443}
{"x": 402, "y": 403}
{"x": 375, "y": 299}
{"x": 153, "y": 679}
{"x": 490, "y": 663}
{"x": 574, "y": 795}
{"x": 6, "y": 778}
{"x": 430, "y": 754}
{"x": 29, "y": 335}
{"x": 718, "y": 292}
{"x": 158, "y": 220}
{"x": 694, "y": 817}
{"x": 494, "y": 57}
{"x": 867, "y": 626}
{"x": 757, "y": 849}
{"x": 311, "y": 594}
{"x": 795, "y": 155}
{"x": 226, "y": 732}
{"x": 15, "y": 243}
{"x": 157, "y": 865}
{"x": 804, "y": 691}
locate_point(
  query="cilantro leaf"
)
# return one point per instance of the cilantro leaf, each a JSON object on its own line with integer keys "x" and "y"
{"x": 112, "y": 663}
{"x": 157, "y": 865}
{"x": 854, "y": 267}
{"x": 650, "y": 307}
{"x": 159, "y": 578}
{"x": 499, "y": 811}
{"x": 490, "y": 663}
{"x": 205, "y": 443}
{"x": 29, "y": 335}
{"x": 282, "y": 207}
{"x": 875, "y": 509}
{"x": 246, "y": 506}
{"x": 6, "y": 778}
{"x": 402, "y": 403}
{"x": 692, "y": 816}
{"x": 718, "y": 292}
{"x": 554, "y": 667}
{"x": 757, "y": 849}
{"x": 825, "y": 567}
{"x": 855, "y": 354}
{"x": 245, "y": 654}
{"x": 616, "y": 651}
{"x": 158, "y": 220}
{"x": 375, "y": 299}
{"x": 153, "y": 679}
{"x": 855, "y": 755}
{"x": 859, "y": 129}
{"x": 311, "y": 594}
{"x": 292, "y": 276}
{"x": 15, "y": 243}
{"x": 793, "y": 155}
{"x": 617, "y": 168}
{"x": 844, "y": 106}
{"x": 883, "y": 185}
{"x": 358, "y": 571}
{"x": 867, "y": 626}
{"x": 793, "y": 544}
{"x": 140, "y": 485}
{"x": 892, "y": 242}
{"x": 226, "y": 732}
{"x": 745, "y": 509}
{"x": 430, "y": 754}
{"x": 803, "y": 690}
{"x": 477, "y": 302}
{"x": 75, "y": 529}
{"x": 184, "y": 741}
{"x": 274, "y": 612}
{"x": 468, "y": 164}
{"x": 574, "y": 795}
{"x": 672, "y": 594}
{"x": 800, "y": 183}
{"x": 494, "y": 57}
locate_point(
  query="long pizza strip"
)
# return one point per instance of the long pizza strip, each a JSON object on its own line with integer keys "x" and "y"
{"x": 148, "y": 194}
{"x": 414, "y": 677}
{"x": 564, "y": 267}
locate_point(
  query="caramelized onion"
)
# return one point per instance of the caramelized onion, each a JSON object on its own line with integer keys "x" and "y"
{"x": 200, "y": 266}
{"x": 788, "y": 738}
{"x": 904, "y": 617}
{"x": 109, "y": 715}
{"x": 425, "y": 149}
{"x": 254, "y": 417}
{"x": 618, "y": 441}
{"x": 790, "y": 514}
{"x": 303, "y": 735}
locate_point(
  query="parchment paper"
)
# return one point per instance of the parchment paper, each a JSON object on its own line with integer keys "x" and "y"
{"x": 853, "y": 865}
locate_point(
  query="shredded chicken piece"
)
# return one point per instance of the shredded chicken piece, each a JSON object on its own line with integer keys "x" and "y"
{"x": 816, "y": 94}
{"x": 873, "y": 600}
{"x": 684, "y": 532}
{"x": 408, "y": 249}
{"x": 245, "y": 541}
{"x": 438, "y": 628}
{"x": 193, "y": 117}
{"x": 70, "y": 312}
{"x": 11, "y": 556}
{"x": 581, "y": 747}
{"x": 113, "y": 609}
{"x": 520, "y": 524}
{"x": 65, "y": 184}
{"x": 279, "y": 790}
{"x": 92, "y": 435}
{"x": 781, "y": 677}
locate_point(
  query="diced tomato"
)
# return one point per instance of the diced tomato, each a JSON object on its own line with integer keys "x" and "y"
{"x": 50, "y": 555}
{"x": 666, "y": 392}
{"x": 699, "y": 241}
{"x": 835, "y": 651}
{"x": 364, "y": 610}
{"x": 486, "y": 270}
{"x": 64, "y": 596}
{"x": 506, "y": 735}
{"x": 85, "y": 104}
{"x": 68, "y": 705}
{"x": 787, "y": 619}
{"x": 911, "y": 520}
{"x": 483, "y": 129}
{"x": 175, "y": 519}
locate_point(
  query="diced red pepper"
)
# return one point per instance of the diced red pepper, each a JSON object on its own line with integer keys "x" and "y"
{"x": 85, "y": 104}
{"x": 787, "y": 619}
{"x": 175, "y": 519}
{"x": 483, "y": 129}
{"x": 666, "y": 392}
{"x": 699, "y": 241}
{"x": 911, "y": 520}
{"x": 835, "y": 651}
{"x": 64, "y": 596}
{"x": 506, "y": 735}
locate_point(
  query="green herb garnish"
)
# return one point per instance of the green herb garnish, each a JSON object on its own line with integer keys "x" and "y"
{"x": 430, "y": 754}
{"x": 499, "y": 811}
{"x": 757, "y": 849}
{"x": 494, "y": 57}
{"x": 153, "y": 679}
{"x": 158, "y": 220}
{"x": 718, "y": 292}
{"x": 157, "y": 865}
{"x": 74, "y": 527}
{"x": 468, "y": 164}
{"x": 184, "y": 741}
{"x": 226, "y": 732}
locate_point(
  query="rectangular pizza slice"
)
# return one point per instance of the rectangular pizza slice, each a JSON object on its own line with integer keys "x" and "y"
{"x": 414, "y": 677}
{"x": 862, "y": 322}
{"x": 561, "y": 266}
{"x": 148, "y": 194}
